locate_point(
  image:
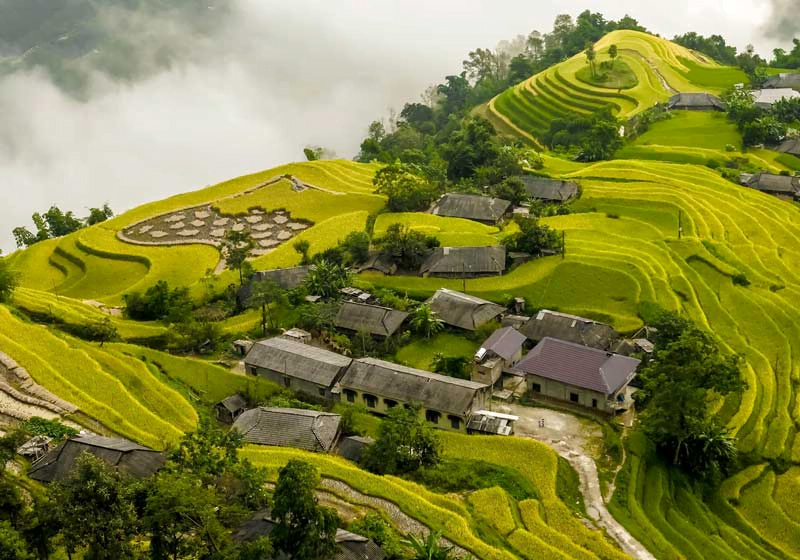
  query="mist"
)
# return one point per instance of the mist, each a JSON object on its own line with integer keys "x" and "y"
{"x": 783, "y": 23}
{"x": 272, "y": 79}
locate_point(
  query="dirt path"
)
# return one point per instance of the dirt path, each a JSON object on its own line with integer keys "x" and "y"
{"x": 651, "y": 64}
{"x": 575, "y": 439}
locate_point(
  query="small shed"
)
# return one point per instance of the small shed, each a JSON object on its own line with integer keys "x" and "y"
{"x": 290, "y": 427}
{"x": 242, "y": 346}
{"x": 352, "y": 447}
{"x": 549, "y": 190}
{"x": 465, "y": 262}
{"x": 298, "y": 335}
{"x": 135, "y": 459}
{"x": 482, "y": 209}
{"x": 492, "y": 423}
{"x": 696, "y": 102}
{"x": 376, "y": 320}
{"x": 230, "y": 408}
{"x": 462, "y": 310}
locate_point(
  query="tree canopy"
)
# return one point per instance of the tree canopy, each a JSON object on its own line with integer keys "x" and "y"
{"x": 405, "y": 443}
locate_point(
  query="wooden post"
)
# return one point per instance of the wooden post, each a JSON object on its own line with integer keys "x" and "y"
{"x": 563, "y": 244}
{"x": 680, "y": 224}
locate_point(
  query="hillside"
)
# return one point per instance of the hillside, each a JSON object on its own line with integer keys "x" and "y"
{"x": 660, "y": 69}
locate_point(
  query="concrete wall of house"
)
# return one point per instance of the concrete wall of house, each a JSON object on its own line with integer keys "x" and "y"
{"x": 295, "y": 384}
{"x": 487, "y": 372}
{"x": 379, "y": 404}
{"x": 565, "y": 392}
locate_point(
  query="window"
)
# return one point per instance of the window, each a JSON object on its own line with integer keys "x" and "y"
{"x": 321, "y": 392}
{"x": 287, "y": 381}
{"x": 432, "y": 416}
{"x": 455, "y": 422}
{"x": 536, "y": 388}
{"x": 350, "y": 395}
{"x": 389, "y": 403}
{"x": 594, "y": 403}
{"x": 573, "y": 397}
{"x": 253, "y": 370}
{"x": 371, "y": 400}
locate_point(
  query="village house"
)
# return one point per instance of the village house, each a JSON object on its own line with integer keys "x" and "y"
{"x": 447, "y": 402}
{"x": 766, "y": 98}
{"x": 463, "y": 311}
{"x": 790, "y": 146}
{"x": 284, "y": 278}
{"x": 497, "y": 354}
{"x": 301, "y": 367}
{"x": 783, "y": 80}
{"x": 350, "y": 546}
{"x": 578, "y": 374}
{"x": 782, "y": 186}
{"x": 484, "y": 209}
{"x": 311, "y": 430}
{"x": 485, "y": 422}
{"x": 571, "y": 328}
{"x": 549, "y": 190}
{"x": 136, "y": 460}
{"x": 352, "y": 447}
{"x": 695, "y": 102}
{"x": 378, "y": 321}
{"x": 465, "y": 262}
{"x": 229, "y": 409}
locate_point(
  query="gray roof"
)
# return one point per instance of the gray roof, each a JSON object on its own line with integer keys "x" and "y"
{"x": 784, "y": 80}
{"x": 135, "y": 459}
{"x": 462, "y": 310}
{"x": 289, "y": 427}
{"x": 695, "y": 101}
{"x": 374, "y": 319}
{"x": 233, "y": 403}
{"x": 570, "y": 328}
{"x": 471, "y": 207}
{"x": 579, "y": 366}
{"x": 545, "y": 188}
{"x": 350, "y": 545}
{"x": 286, "y": 278}
{"x": 298, "y": 360}
{"x": 771, "y": 183}
{"x": 405, "y": 384}
{"x": 465, "y": 260}
{"x": 505, "y": 342}
{"x": 351, "y": 447}
{"x": 765, "y": 98}
{"x": 790, "y": 146}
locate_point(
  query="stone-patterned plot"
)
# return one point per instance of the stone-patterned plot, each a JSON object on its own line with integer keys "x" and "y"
{"x": 269, "y": 243}
{"x": 217, "y": 232}
{"x": 198, "y": 223}
{"x": 175, "y": 218}
{"x": 284, "y": 235}
{"x": 179, "y": 225}
{"x": 280, "y": 219}
{"x": 296, "y": 226}
{"x": 262, "y": 235}
{"x": 253, "y": 219}
{"x": 202, "y": 214}
{"x": 263, "y": 227}
{"x": 188, "y": 232}
{"x": 238, "y": 227}
{"x": 145, "y": 229}
{"x": 221, "y": 222}
{"x": 157, "y": 234}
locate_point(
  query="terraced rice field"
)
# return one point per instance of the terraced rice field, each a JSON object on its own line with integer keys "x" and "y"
{"x": 661, "y": 67}
{"x": 451, "y": 232}
{"x": 94, "y": 264}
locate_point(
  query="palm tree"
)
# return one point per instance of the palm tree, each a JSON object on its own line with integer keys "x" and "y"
{"x": 429, "y": 548}
{"x": 262, "y": 294}
{"x": 426, "y": 321}
{"x": 613, "y": 52}
{"x": 591, "y": 55}
{"x": 326, "y": 279}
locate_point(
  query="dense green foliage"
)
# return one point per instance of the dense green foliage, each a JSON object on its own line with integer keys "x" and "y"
{"x": 593, "y": 137}
{"x": 405, "y": 443}
{"x": 406, "y": 247}
{"x": 159, "y": 303}
{"x": 533, "y": 238}
{"x": 9, "y": 280}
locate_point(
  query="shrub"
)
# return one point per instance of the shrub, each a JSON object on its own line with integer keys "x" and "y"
{"x": 740, "y": 279}
{"x": 730, "y": 148}
{"x": 713, "y": 164}
{"x": 612, "y": 215}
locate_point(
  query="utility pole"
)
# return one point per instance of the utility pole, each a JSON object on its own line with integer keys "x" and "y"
{"x": 680, "y": 224}
{"x": 464, "y": 277}
{"x": 563, "y": 244}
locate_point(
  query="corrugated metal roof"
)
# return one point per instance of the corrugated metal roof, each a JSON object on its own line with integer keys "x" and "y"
{"x": 405, "y": 384}
{"x": 289, "y": 427}
{"x": 580, "y": 366}
{"x": 374, "y": 319}
{"x": 505, "y": 342}
{"x": 471, "y": 207}
{"x": 463, "y": 310}
{"x": 298, "y": 360}
{"x": 465, "y": 260}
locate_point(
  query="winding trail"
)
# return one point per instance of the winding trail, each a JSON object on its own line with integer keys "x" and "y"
{"x": 659, "y": 75}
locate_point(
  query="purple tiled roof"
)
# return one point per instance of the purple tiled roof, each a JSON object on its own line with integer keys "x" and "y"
{"x": 505, "y": 342}
{"x": 580, "y": 366}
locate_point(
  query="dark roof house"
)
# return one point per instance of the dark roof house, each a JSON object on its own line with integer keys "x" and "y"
{"x": 290, "y": 427}
{"x": 784, "y": 80}
{"x": 549, "y": 190}
{"x": 505, "y": 342}
{"x": 462, "y": 310}
{"x": 350, "y": 545}
{"x": 579, "y": 366}
{"x": 457, "y": 262}
{"x": 778, "y": 185}
{"x": 374, "y": 319}
{"x": 135, "y": 459}
{"x": 571, "y": 328}
{"x": 352, "y": 447}
{"x": 228, "y": 409}
{"x": 696, "y": 102}
{"x": 790, "y": 146}
{"x": 471, "y": 207}
{"x": 299, "y": 360}
{"x": 285, "y": 278}
{"x": 405, "y": 384}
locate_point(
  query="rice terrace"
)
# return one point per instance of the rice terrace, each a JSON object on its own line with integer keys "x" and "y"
{"x": 617, "y": 378}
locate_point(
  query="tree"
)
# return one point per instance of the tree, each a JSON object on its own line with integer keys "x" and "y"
{"x": 326, "y": 279}
{"x": 533, "y": 238}
{"x": 95, "y": 510}
{"x": 613, "y": 53}
{"x": 520, "y": 68}
{"x": 99, "y": 215}
{"x": 356, "y": 247}
{"x": 206, "y": 453}
{"x": 313, "y": 153}
{"x": 429, "y": 547}
{"x": 101, "y": 331}
{"x": 453, "y": 366}
{"x": 512, "y": 189}
{"x": 406, "y": 189}
{"x": 426, "y": 321}
{"x": 302, "y": 246}
{"x": 61, "y": 223}
{"x": 304, "y": 530}
{"x": 12, "y": 544}
{"x": 406, "y": 247}
{"x": 591, "y": 56}
{"x": 236, "y": 247}
{"x": 262, "y": 294}
{"x": 159, "y": 303}
{"x": 8, "y": 280}
{"x": 405, "y": 443}
{"x": 23, "y": 237}
{"x": 473, "y": 146}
